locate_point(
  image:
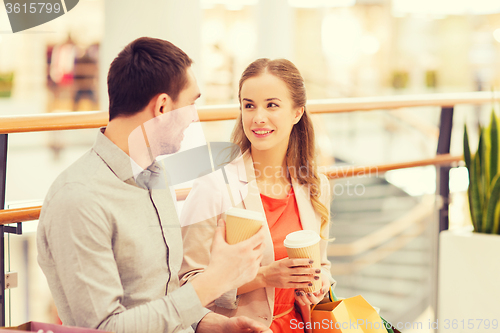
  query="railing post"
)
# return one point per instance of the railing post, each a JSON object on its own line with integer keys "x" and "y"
{"x": 3, "y": 178}
{"x": 443, "y": 190}
{"x": 444, "y": 141}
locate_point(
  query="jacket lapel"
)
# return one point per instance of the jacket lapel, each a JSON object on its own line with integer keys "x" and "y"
{"x": 306, "y": 212}
{"x": 249, "y": 192}
{"x": 250, "y": 196}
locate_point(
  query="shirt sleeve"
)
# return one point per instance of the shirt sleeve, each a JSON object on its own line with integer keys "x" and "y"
{"x": 75, "y": 245}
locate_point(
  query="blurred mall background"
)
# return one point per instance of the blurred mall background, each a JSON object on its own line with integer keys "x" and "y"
{"x": 344, "y": 48}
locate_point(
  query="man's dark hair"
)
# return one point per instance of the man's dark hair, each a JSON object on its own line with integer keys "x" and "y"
{"x": 143, "y": 69}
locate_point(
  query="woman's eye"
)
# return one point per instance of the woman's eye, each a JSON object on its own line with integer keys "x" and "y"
{"x": 248, "y": 106}
{"x": 272, "y": 105}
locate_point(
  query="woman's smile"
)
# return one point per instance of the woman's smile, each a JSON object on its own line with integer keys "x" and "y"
{"x": 262, "y": 132}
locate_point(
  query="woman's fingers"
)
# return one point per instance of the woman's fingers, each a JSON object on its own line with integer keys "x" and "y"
{"x": 300, "y": 278}
{"x": 312, "y": 298}
{"x": 298, "y": 285}
{"x": 301, "y": 298}
{"x": 319, "y": 293}
{"x": 301, "y": 270}
{"x": 298, "y": 262}
{"x": 307, "y": 298}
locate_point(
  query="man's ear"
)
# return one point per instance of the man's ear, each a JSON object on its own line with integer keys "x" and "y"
{"x": 298, "y": 115}
{"x": 162, "y": 105}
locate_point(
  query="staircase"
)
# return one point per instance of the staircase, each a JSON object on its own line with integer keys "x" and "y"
{"x": 395, "y": 275}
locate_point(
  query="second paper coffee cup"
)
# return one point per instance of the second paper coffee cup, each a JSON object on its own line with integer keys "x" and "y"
{"x": 242, "y": 224}
{"x": 305, "y": 244}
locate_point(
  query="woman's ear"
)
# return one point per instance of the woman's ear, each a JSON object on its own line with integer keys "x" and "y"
{"x": 163, "y": 104}
{"x": 298, "y": 115}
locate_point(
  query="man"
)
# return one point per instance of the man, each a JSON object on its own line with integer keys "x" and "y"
{"x": 109, "y": 244}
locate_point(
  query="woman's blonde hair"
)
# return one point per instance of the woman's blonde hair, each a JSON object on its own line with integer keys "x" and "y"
{"x": 300, "y": 154}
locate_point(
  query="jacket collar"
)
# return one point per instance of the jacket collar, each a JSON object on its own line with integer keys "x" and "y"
{"x": 249, "y": 191}
{"x": 246, "y": 171}
{"x": 306, "y": 211}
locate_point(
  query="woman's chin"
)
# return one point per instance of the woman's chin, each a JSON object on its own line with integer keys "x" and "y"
{"x": 261, "y": 146}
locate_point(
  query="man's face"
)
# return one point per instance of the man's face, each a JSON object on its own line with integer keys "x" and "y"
{"x": 164, "y": 133}
{"x": 175, "y": 122}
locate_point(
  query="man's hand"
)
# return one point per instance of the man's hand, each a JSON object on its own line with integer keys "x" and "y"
{"x": 230, "y": 267}
{"x": 213, "y": 322}
{"x": 239, "y": 263}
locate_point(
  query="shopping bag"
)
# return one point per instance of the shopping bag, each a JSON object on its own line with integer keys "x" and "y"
{"x": 350, "y": 315}
{"x": 34, "y": 326}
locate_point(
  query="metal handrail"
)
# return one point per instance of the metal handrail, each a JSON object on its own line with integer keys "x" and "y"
{"x": 342, "y": 172}
{"x": 32, "y": 213}
{"x": 94, "y": 119}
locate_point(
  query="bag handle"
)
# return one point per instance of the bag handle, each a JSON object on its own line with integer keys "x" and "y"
{"x": 331, "y": 295}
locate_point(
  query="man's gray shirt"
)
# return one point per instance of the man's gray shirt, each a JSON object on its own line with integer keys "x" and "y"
{"x": 111, "y": 250}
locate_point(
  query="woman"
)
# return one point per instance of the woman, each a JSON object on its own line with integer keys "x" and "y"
{"x": 277, "y": 176}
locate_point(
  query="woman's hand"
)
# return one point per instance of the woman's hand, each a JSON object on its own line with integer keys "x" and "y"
{"x": 304, "y": 298}
{"x": 289, "y": 273}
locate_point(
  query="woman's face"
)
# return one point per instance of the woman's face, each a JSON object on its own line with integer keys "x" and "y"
{"x": 268, "y": 113}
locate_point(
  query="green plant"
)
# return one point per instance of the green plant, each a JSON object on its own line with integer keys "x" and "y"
{"x": 484, "y": 179}
{"x": 6, "y": 84}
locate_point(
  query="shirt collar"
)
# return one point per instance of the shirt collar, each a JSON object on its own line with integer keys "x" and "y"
{"x": 136, "y": 168}
{"x": 116, "y": 159}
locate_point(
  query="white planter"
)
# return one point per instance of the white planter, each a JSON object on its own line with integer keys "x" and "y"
{"x": 469, "y": 282}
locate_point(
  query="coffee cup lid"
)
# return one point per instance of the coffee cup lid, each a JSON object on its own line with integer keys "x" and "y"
{"x": 301, "y": 238}
{"x": 245, "y": 213}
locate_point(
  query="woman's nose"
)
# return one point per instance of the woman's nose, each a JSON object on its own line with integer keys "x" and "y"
{"x": 259, "y": 117}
